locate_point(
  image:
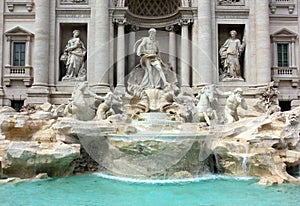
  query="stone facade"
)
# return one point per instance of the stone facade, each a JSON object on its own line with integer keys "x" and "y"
{"x": 190, "y": 33}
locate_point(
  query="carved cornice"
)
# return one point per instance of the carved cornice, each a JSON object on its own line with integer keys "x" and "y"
{"x": 119, "y": 21}
{"x": 182, "y": 16}
{"x": 170, "y": 28}
{"x": 118, "y": 15}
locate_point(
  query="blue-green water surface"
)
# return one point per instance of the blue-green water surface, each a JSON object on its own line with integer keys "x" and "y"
{"x": 96, "y": 189}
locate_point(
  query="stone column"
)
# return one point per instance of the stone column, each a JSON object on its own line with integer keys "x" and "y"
{"x": 120, "y": 54}
{"x": 111, "y": 51}
{"x": 131, "y": 54}
{"x": 263, "y": 54}
{"x": 185, "y": 54}
{"x": 101, "y": 56}
{"x": 195, "y": 71}
{"x": 205, "y": 66}
{"x": 41, "y": 43}
{"x": 172, "y": 46}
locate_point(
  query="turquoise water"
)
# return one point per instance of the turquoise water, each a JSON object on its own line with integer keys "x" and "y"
{"x": 101, "y": 190}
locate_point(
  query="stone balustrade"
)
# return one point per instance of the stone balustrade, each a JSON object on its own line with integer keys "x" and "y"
{"x": 285, "y": 74}
{"x": 23, "y": 73}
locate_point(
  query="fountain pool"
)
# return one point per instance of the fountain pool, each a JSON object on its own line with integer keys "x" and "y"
{"x": 98, "y": 189}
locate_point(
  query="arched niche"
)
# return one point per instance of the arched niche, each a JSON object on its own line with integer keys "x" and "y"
{"x": 153, "y": 8}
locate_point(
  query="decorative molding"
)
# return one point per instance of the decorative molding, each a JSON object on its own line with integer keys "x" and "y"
{"x": 119, "y": 20}
{"x": 118, "y": 15}
{"x": 73, "y": 13}
{"x": 26, "y": 3}
{"x": 284, "y": 35}
{"x": 289, "y": 4}
{"x": 134, "y": 28}
{"x": 73, "y": 2}
{"x": 18, "y": 33}
{"x": 231, "y": 2}
{"x": 170, "y": 28}
{"x": 186, "y": 21}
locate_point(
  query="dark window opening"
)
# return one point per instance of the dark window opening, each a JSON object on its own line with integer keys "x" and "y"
{"x": 285, "y": 105}
{"x": 19, "y": 54}
{"x": 283, "y": 55}
{"x": 17, "y": 104}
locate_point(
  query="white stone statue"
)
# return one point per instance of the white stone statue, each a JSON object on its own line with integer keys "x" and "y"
{"x": 230, "y": 53}
{"x": 80, "y": 106}
{"x": 73, "y": 57}
{"x": 152, "y": 72}
{"x": 233, "y": 101}
{"x": 147, "y": 49}
{"x": 206, "y": 108}
{"x": 105, "y": 108}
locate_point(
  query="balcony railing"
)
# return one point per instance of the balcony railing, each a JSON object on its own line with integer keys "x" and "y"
{"x": 285, "y": 74}
{"x": 290, "y": 4}
{"x": 284, "y": 2}
{"x": 13, "y": 73}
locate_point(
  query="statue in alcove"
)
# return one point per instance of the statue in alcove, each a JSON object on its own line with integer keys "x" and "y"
{"x": 152, "y": 72}
{"x": 230, "y": 53}
{"x": 73, "y": 57}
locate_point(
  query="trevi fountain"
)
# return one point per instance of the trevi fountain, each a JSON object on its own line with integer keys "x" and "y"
{"x": 152, "y": 131}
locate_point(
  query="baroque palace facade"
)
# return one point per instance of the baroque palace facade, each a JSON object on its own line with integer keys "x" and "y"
{"x": 193, "y": 35}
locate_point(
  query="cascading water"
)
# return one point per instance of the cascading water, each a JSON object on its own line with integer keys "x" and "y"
{"x": 244, "y": 164}
{"x": 159, "y": 148}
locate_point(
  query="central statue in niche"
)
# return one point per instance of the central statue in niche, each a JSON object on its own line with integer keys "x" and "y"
{"x": 230, "y": 53}
{"x": 152, "y": 72}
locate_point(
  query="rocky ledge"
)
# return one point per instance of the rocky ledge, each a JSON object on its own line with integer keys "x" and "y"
{"x": 266, "y": 147}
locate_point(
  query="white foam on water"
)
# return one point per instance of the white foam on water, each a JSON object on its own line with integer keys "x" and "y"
{"x": 173, "y": 181}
